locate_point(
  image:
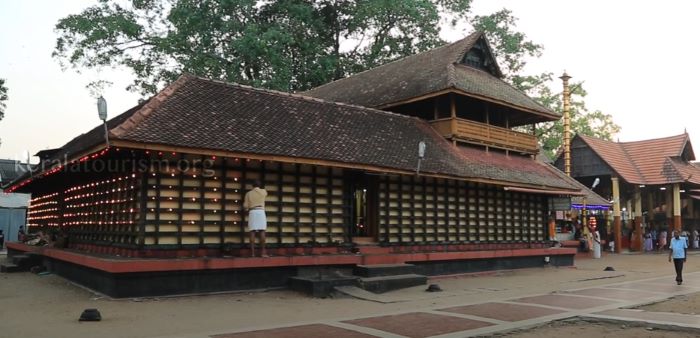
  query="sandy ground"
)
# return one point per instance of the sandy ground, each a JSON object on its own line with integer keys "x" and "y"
{"x": 686, "y": 304}
{"x": 600, "y": 329}
{"x": 49, "y": 306}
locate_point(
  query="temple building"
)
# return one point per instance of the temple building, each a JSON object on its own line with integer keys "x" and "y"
{"x": 341, "y": 163}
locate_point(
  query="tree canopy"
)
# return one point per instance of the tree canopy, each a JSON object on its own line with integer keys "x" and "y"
{"x": 294, "y": 45}
{"x": 284, "y": 44}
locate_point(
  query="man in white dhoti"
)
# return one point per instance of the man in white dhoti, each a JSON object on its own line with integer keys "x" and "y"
{"x": 254, "y": 204}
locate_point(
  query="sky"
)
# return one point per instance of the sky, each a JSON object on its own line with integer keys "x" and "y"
{"x": 638, "y": 61}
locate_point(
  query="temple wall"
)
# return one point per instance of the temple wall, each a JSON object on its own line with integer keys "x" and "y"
{"x": 204, "y": 206}
{"x": 424, "y": 210}
{"x": 166, "y": 206}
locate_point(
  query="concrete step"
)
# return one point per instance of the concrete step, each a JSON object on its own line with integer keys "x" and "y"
{"x": 27, "y": 260}
{"x": 10, "y": 268}
{"x": 388, "y": 283}
{"x": 371, "y": 250}
{"x": 378, "y": 270}
{"x": 319, "y": 287}
{"x": 18, "y": 258}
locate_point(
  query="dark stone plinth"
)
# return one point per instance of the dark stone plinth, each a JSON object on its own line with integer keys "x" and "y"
{"x": 162, "y": 283}
{"x": 437, "y": 268}
{"x": 27, "y": 260}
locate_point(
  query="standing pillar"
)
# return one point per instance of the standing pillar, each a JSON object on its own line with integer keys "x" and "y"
{"x": 616, "y": 214}
{"x": 638, "y": 235}
{"x": 453, "y": 119}
{"x": 566, "y": 97}
{"x": 677, "y": 207}
{"x": 691, "y": 211}
{"x": 669, "y": 209}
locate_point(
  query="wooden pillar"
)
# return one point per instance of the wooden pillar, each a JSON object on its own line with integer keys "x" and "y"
{"x": 650, "y": 206}
{"x": 453, "y": 118}
{"x": 616, "y": 214}
{"x": 669, "y": 209}
{"x": 677, "y": 207}
{"x": 637, "y": 239}
{"x": 691, "y": 210}
{"x": 435, "y": 109}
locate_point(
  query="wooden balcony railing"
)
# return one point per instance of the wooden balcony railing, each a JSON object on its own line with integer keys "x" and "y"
{"x": 484, "y": 134}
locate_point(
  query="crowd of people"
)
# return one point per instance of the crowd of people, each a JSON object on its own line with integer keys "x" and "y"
{"x": 657, "y": 240}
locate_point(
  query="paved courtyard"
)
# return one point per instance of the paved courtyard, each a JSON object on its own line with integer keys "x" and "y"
{"x": 477, "y": 304}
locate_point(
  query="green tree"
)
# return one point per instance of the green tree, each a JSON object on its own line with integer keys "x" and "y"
{"x": 285, "y": 44}
{"x": 294, "y": 45}
{"x": 3, "y": 98}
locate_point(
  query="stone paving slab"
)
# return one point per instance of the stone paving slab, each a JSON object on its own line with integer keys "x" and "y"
{"x": 613, "y": 293}
{"x": 659, "y": 288}
{"x": 605, "y": 302}
{"x": 563, "y": 301}
{"x": 418, "y": 324}
{"x": 503, "y": 311}
{"x": 306, "y": 331}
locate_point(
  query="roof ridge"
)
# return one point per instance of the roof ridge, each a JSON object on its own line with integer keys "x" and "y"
{"x": 151, "y": 106}
{"x": 642, "y": 141}
{"x": 400, "y": 59}
{"x": 296, "y": 95}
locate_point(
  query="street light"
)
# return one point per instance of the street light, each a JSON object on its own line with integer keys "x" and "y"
{"x": 421, "y": 154}
{"x": 102, "y": 113}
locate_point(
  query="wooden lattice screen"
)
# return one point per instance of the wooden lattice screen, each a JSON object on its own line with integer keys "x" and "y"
{"x": 427, "y": 210}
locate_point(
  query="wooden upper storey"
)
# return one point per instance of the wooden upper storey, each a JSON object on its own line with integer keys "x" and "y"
{"x": 460, "y": 81}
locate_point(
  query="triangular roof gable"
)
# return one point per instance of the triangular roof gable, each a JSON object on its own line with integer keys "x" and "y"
{"x": 480, "y": 55}
{"x": 687, "y": 153}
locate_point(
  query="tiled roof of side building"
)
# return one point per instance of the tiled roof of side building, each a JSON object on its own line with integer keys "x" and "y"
{"x": 647, "y": 161}
{"x": 423, "y": 74}
{"x": 206, "y": 114}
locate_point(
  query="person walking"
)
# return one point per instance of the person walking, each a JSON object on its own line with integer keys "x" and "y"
{"x": 678, "y": 253}
{"x": 254, "y": 204}
{"x": 696, "y": 239}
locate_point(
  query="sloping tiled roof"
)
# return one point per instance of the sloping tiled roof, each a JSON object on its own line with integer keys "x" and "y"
{"x": 11, "y": 170}
{"x": 426, "y": 73}
{"x": 655, "y": 161}
{"x": 202, "y": 113}
{"x": 78, "y": 144}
